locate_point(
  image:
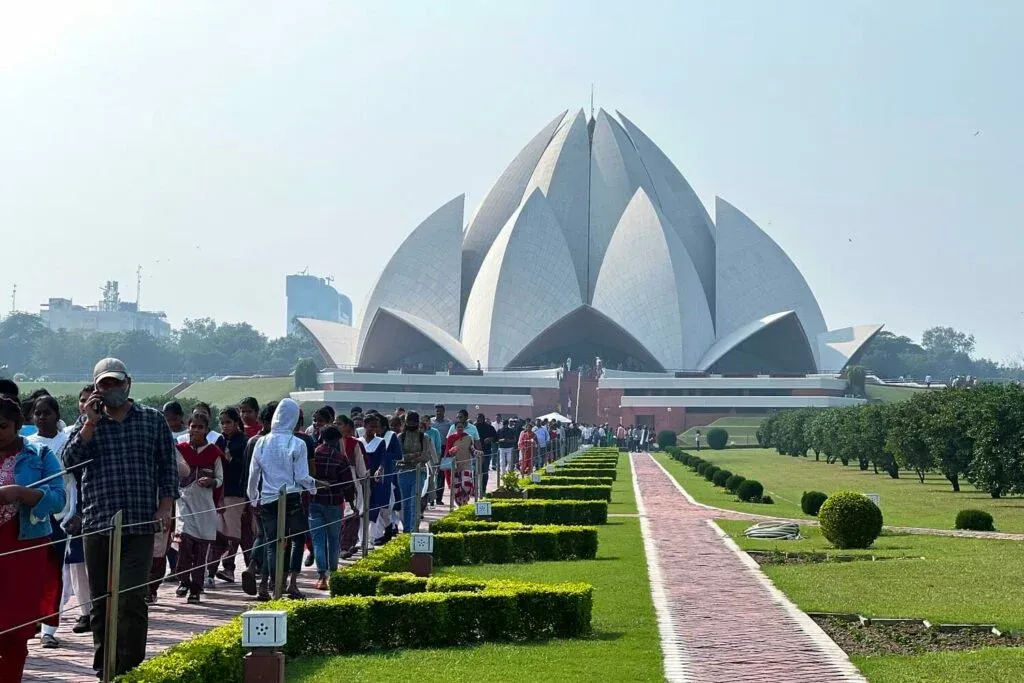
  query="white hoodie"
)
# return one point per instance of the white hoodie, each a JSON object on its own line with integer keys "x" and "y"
{"x": 280, "y": 458}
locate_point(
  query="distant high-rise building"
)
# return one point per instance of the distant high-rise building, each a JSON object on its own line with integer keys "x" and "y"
{"x": 309, "y": 296}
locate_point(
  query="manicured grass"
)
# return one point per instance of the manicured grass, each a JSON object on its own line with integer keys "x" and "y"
{"x": 624, "y": 647}
{"x": 231, "y": 391}
{"x": 891, "y": 394}
{"x": 987, "y": 665}
{"x": 960, "y": 580}
{"x": 742, "y": 430}
{"x": 905, "y": 501}
{"x": 139, "y": 389}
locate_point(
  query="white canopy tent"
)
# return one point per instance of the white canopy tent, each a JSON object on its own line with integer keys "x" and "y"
{"x": 555, "y": 416}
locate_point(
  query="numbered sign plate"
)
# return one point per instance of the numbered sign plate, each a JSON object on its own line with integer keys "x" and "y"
{"x": 483, "y": 508}
{"x": 535, "y": 477}
{"x": 550, "y": 469}
{"x": 875, "y": 498}
{"x": 422, "y": 544}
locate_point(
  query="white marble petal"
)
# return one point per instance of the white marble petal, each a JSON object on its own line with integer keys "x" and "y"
{"x": 388, "y": 343}
{"x": 837, "y": 347}
{"x": 755, "y": 278}
{"x": 727, "y": 343}
{"x": 414, "y": 271}
{"x": 336, "y": 341}
{"x": 525, "y": 284}
{"x": 501, "y": 201}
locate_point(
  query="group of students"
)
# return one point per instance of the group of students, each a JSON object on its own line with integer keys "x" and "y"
{"x": 229, "y": 472}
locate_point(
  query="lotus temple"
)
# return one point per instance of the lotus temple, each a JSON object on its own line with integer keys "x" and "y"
{"x": 590, "y": 280}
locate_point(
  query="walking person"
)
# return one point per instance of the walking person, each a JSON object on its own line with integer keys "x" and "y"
{"x": 280, "y": 460}
{"x": 527, "y": 445}
{"x": 254, "y": 550}
{"x": 26, "y": 585}
{"x": 229, "y": 517}
{"x": 74, "y": 562}
{"x": 197, "y": 509}
{"x": 461, "y": 448}
{"x": 442, "y": 425}
{"x": 355, "y": 457}
{"x": 506, "y": 448}
{"x": 432, "y": 466}
{"x": 125, "y": 455}
{"x": 334, "y": 485}
{"x": 488, "y": 444}
{"x": 417, "y": 452}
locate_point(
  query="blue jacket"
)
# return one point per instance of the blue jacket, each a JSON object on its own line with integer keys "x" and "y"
{"x": 33, "y": 463}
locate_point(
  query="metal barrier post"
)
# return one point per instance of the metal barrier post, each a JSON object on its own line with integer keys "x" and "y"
{"x": 281, "y": 541}
{"x": 478, "y": 463}
{"x": 417, "y": 497}
{"x": 113, "y": 599}
{"x": 365, "y": 514}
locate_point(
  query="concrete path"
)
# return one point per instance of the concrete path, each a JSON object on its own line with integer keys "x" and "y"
{"x": 170, "y": 621}
{"x": 720, "y": 618}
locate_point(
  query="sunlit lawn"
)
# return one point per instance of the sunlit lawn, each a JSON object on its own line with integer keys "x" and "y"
{"x": 624, "y": 646}
{"x": 987, "y": 665}
{"x": 905, "y": 501}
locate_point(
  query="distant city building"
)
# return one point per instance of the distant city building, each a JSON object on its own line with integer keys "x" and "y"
{"x": 109, "y": 315}
{"x": 309, "y": 296}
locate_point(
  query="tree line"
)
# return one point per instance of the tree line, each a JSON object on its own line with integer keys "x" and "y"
{"x": 944, "y": 352}
{"x": 974, "y": 433}
{"x": 201, "y": 348}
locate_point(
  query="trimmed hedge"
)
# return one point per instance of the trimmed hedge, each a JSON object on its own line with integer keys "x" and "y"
{"x": 812, "y": 501}
{"x": 975, "y": 520}
{"x": 721, "y": 476}
{"x": 552, "y": 480}
{"x": 502, "y": 610}
{"x": 710, "y": 471}
{"x": 569, "y": 471}
{"x": 563, "y": 512}
{"x": 850, "y": 520}
{"x": 666, "y": 437}
{"x": 717, "y": 438}
{"x": 571, "y": 492}
{"x": 734, "y": 483}
{"x": 549, "y": 542}
{"x": 749, "y": 490}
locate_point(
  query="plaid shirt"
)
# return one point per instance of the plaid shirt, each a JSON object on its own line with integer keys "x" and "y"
{"x": 133, "y": 465}
{"x": 332, "y": 467}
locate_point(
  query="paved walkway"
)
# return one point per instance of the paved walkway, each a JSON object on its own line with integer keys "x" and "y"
{"x": 720, "y": 618}
{"x": 170, "y": 621}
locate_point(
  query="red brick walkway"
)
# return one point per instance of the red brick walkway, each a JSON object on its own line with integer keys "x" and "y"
{"x": 720, "y": 617}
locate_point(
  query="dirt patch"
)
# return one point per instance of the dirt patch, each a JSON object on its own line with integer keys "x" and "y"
{"x": 909, "y": 638}
{"x": 768, "y": 557}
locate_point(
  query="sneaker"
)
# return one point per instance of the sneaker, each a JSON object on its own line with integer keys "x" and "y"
{"x": 348, "y": 553}
{"x": 182, "y": 590}
{"x": 149, "y": 599}
{"x": 210, "y": 583}
{"x": 308, "y": 562}
{"x": 193, "y": 599}
{"x": 293, "y": 593}
{"x": 226, "y": 576}
{"x": 82, "y": 625}
{"x": 248, "y": 582}
{"x": 49, "y": 642}
{"x": 263, "y": 595}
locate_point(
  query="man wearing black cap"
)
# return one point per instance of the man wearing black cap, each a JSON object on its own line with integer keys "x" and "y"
{"x": 126, "y": 456}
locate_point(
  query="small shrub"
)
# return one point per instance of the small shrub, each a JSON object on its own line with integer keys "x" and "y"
{"x": 975, "y": 520}
{"x": 717, "y": 438}
{"x": 850, "y": 520}
{"x": 510, "y": 482}
{"x": 710, "y": 472}
{"x": 734, "y": 482}
{"x": 666, "y": 437}
{"x": 721, "y": 476}
{"x": 764, "y": 500}
{"x": 812, "y": 501}
{"x": 749, "y": 490}
{"x": 702, "y": 467}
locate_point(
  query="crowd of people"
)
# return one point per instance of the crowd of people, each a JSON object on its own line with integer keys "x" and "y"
{"x": 193, "y": 491}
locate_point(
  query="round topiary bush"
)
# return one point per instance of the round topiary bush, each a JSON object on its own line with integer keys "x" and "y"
{"x": 850, "y": 520}
{"x": 749, "y": 489}
{"x": 666, "y": 438}
{"x": 975, "y": 520}
{"x": 717, "y": 438}
{"x": 710, "y": 472}
{"x": 695, "y": 463}
{"x": 702, "y": 467}
{"x": 812, "y": 501}
{"x": 734, "y": 482}
{"x": 721, "y": 476}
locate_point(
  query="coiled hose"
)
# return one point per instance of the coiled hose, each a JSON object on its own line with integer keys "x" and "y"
{"x": 777, "y": 531}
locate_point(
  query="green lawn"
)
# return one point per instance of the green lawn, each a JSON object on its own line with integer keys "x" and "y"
{"x": 891, "y": 394}
{"x": 905, "y": 501}
{"x": 231, "y": 391}
{"x": 139, "y": 389}
{"x": 625, "y": 645}
{"x": 742, "y": 430}
{"x": 960, "y": 580}
{"x": 987, "y": 665}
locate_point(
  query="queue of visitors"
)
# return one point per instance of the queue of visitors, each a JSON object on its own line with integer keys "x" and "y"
{"x": 192, "y": 490}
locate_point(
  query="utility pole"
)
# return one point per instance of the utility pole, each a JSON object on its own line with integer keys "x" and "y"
{"x": 138, "y": 287}
{"x": 14, "y": 298}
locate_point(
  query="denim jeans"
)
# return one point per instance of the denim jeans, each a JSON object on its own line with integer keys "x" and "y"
{"x": 295, "y": 524}
{"x": 325, "y": 527}
{"x": 410, "y": 486}
{"x": 485, "y": 468}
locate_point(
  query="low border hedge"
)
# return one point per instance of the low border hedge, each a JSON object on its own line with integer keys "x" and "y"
{"x": 586, "y": 472}
{"x": 561, "y": 512}
{"x": 502, "y": 610}
{"x": 568, "y": 492}
{"x": 563, "y": 480}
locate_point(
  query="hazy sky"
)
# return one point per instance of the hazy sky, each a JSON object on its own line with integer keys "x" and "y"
{"x": 223, "y": 145}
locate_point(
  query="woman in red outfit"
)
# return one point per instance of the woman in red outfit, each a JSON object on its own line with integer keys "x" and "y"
{"x": 25, "y": 510}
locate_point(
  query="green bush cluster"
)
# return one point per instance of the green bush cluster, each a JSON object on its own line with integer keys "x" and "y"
{"x": 717, "y": 438}
{"x": 569, "y": 492}
{"x": 747, "y": 490}
{"x": 850, "y": 520}
{"x": 812, "y": 501}
{"x": 666, "y": 438}
{"x": 563, "y": 512}
{"x": 550, "y": 542}
{"x": 975, "y": 520}
{"x": 565, "y": 480}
